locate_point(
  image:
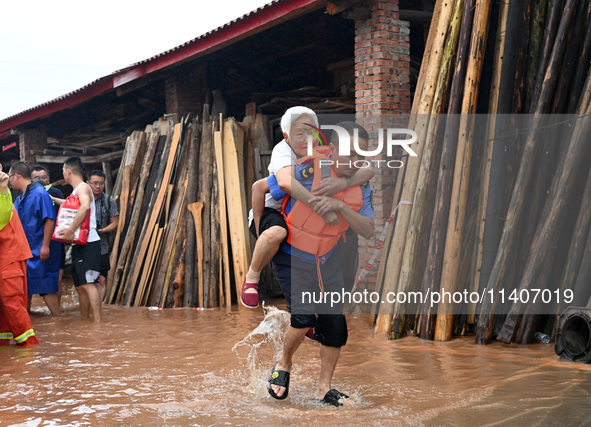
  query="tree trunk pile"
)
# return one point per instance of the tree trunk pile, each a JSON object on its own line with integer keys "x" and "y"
{"x": 497, "y": 240}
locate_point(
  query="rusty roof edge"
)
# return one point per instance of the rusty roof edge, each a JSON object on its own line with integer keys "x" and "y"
{"x": 107, "y": 82}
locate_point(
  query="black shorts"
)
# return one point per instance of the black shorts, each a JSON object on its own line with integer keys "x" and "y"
{"x": 105, "y": 265}
{"x": 63, "y": 257}
{"x": 312, "y": 311}
{"x": 86, "y": 263}
{"x": 270, "y": 218}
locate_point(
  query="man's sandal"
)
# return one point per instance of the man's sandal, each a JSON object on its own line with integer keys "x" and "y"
{"x": 280, "y": 378}
{"x": 333, "y": 397}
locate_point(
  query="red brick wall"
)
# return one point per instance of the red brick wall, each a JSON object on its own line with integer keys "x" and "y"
{"x": 185, "y": 93}
{"x": 382, "y": 92}
{"x": 31, "y": 140}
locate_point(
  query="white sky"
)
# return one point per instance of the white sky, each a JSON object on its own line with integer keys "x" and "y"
{"x": 52, "y": 47}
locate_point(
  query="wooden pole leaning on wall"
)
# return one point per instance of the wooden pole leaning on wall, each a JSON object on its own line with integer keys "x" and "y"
{"x": 487, "y": 160}
{"x": 424, "y": 107}
{"x": 578, "y": 245}
{"x": 548, "y": 229}
{"x": 459, "y": 194}
{"x": 503, "y": 148}
{"x": 523, "y": 182}
{"x": 431, "y": 275}
{"x": 214, "y": 293}
{"x": 420, "y": 221}
{"x": 235, "y": 201}
{"x": 190, "y": 263}
{"x": 196, "y": 208}
{"x": 225, "y": 248}
{"x": 399, "y": 318}
{"x": 206, "y": 159}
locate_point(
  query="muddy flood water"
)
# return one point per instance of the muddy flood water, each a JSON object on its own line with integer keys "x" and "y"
{"x": 184, "y": 367}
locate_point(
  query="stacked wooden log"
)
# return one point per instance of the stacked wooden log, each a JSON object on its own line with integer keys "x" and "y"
{"x": 182, "y": 239}
{"x": 500, "y": 202}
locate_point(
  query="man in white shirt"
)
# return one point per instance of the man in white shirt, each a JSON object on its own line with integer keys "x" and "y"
{"x": 86, "y": 259}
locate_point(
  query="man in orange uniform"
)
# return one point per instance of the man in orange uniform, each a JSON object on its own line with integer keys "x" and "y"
{"x": 15, "y": 322}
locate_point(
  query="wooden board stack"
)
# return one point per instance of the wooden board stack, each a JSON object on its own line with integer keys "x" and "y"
{"x": 183, "y": 238}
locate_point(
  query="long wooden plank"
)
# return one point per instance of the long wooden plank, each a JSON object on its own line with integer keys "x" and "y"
{"x": 149, "y": 281}
{"x": 196, "y": 209}
{"x": 190, "y": 256}
{"x": 135, "y": 173}
{"x": 150, "y": 255}
{"x": 217, "y": 139}
{"x": 173, "y": 241}
{"x": 86, "y": 159}
{"x": 212, "y": 292}
{"x": 235, "y": 200}
{"x": 205, "y": 184}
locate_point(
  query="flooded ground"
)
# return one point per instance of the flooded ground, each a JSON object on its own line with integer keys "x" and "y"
{"x": 187, "y": 367}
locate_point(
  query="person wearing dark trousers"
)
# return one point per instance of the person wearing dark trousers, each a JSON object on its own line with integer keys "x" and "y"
{"x": 107, "y": 221}
{"x": 41, "y": 174}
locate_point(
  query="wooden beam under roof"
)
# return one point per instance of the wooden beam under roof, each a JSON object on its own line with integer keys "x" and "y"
{"x": 337, "y": 6}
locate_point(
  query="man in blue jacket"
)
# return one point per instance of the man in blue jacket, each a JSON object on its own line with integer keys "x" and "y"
{"x": 37, "y": 214}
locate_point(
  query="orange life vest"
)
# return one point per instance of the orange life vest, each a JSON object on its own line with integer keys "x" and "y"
{"x": 307, "y": 230}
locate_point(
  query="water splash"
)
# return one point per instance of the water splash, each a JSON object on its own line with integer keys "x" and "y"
{"x": 269, "y": 333}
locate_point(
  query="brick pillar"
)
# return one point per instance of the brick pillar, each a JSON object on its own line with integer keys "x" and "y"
{"x": 382, "y": 100}
{"x": 185, "y": 92}
{"x": 31, "y": 140}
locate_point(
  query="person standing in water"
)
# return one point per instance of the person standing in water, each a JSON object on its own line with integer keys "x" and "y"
{"x": 41, "y": 174}
{"x": 86, "y": 259}
{"x": 316, "y": 263}
{"x": 15, "y": 322}
{"x": 37, "y": 214}
{"x": 107, "y": 221}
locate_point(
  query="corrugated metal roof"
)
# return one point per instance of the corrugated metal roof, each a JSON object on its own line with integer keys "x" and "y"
{"x": 209, "y": 33}
{"x": 117, "y": 78}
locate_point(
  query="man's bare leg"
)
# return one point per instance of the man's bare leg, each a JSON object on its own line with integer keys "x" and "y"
{"x": 93, "y": 300}
{"x": 59, "y": 287}
{"x": 51, "y": 301}
{"x": 291, "y": 341}
{"x": 102, "y": 287}
{"x": 329, "y": 356}
{"x": 84, "y": 302}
